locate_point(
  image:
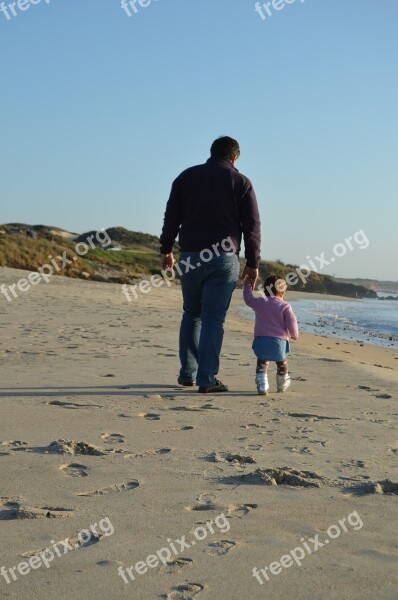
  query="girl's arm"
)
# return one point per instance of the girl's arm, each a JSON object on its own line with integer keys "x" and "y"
{"x": 248, "y": 296}
{"x": 291, "y": 323}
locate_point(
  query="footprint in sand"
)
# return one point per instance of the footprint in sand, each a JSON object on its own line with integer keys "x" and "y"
{"x": 386, "y": 487}
{"x": 113, "y": 438}
{"x": 159, "y": 452}
{"x": 331, "y": 360}
{"x": 313, "y": 417}
{"x": 302, "y": 450}
{"x": 313, "y": 441}
{"x": 232, "y": 458}
{"x": 367, "y": 388}
{"x": 304, "y": 430}
{"x": 185, "y": 428}
{"x": 175, "y": 565}
{"x": 149, "y": 416}
{"x": 283, "y": 476}
{"x": 74, "y": 470}
{"x": 186, "y": 408}
{"x": 75, "y": 542}
{"x": 356, "y": 463}
{"x": 15, "y": 443}
{"x": 240, "y": 510}
{"x": 219, "y": 548}
{"x": 184, "y": 592}
{"x": 109, "y": 563}
{"x": 11, "y": 445}
{"x": 201, "y": 506}
{"x": 11, "y": 509}
{"x": 74, "y": 448}
{"x": 72, "y": 405}
{"x": 116, "y": 487}
{"x": 232, "y": 510}
{"x": 202, "y": 503}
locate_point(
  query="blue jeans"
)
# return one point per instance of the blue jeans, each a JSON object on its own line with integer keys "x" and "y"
{"x": 207, "y": 292}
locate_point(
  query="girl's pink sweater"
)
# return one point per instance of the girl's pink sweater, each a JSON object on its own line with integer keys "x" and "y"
{"x": 274, "y": 316}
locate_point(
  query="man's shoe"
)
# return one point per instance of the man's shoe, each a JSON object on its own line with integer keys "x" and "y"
{"x": 188, "y": 383}
{"x": 283, "y": 382}
{"x": 262, "y": 384}
{"x": 212, "y": 389}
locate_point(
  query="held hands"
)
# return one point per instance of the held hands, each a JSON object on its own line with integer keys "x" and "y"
{"x": 167, "y": 261}
{"x": 250, "y": 275}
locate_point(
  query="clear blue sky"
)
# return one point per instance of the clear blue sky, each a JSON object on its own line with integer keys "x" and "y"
{"x": 100, "y": 112}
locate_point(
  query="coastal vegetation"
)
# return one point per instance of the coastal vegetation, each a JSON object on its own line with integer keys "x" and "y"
{"x": 131, "y": 256}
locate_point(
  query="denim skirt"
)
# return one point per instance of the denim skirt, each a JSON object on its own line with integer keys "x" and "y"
{"x": 270, "y": 348}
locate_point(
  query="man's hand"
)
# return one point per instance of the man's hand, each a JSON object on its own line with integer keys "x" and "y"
{"x": 167, "y": 261}
{"x": 251, "y": 275}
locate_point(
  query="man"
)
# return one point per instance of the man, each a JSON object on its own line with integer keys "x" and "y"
{"x": 209, "y": 208}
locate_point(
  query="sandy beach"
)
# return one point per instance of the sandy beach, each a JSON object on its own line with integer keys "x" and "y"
{"x": 154, "y": 462}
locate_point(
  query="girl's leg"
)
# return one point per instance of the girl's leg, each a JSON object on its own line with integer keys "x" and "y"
{"x": 261, "y": 377}
{"x": 283, "y": 380}
{"x": 262, "y": 366}
{"x": 282, "y": 367}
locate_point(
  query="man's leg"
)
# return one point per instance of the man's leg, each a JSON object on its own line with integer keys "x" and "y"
{"x": 217, "y": 291}
{"x": 190, "y": 326}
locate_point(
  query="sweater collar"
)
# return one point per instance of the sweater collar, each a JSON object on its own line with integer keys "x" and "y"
{"x": 221, "y": 161}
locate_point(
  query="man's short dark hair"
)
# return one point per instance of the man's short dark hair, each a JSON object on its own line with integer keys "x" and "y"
{"x": 225, "y": 147}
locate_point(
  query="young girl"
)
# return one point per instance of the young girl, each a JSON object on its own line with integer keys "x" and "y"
{"x": 275, "y": 321}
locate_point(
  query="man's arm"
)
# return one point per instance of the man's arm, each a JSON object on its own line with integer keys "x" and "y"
{"x": 250, "y": 223}
{"x": 171, "y": 226}
{"x": 251, "y": 227}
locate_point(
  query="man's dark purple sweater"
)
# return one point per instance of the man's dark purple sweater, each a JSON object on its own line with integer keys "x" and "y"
{"x": 209, "y": 203}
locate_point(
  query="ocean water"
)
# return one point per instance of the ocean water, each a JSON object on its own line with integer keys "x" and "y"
{"x": 368, "y": 321}
{"x": 371, "y": 321}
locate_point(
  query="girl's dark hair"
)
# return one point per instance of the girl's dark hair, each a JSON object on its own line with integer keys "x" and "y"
{"x": 225, "y": 147}
{"x": 270, "y": 287}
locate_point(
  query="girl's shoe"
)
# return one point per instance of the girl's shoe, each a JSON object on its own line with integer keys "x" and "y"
{"x": 283, "y": 382}
{"x": 262, "y": 384}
